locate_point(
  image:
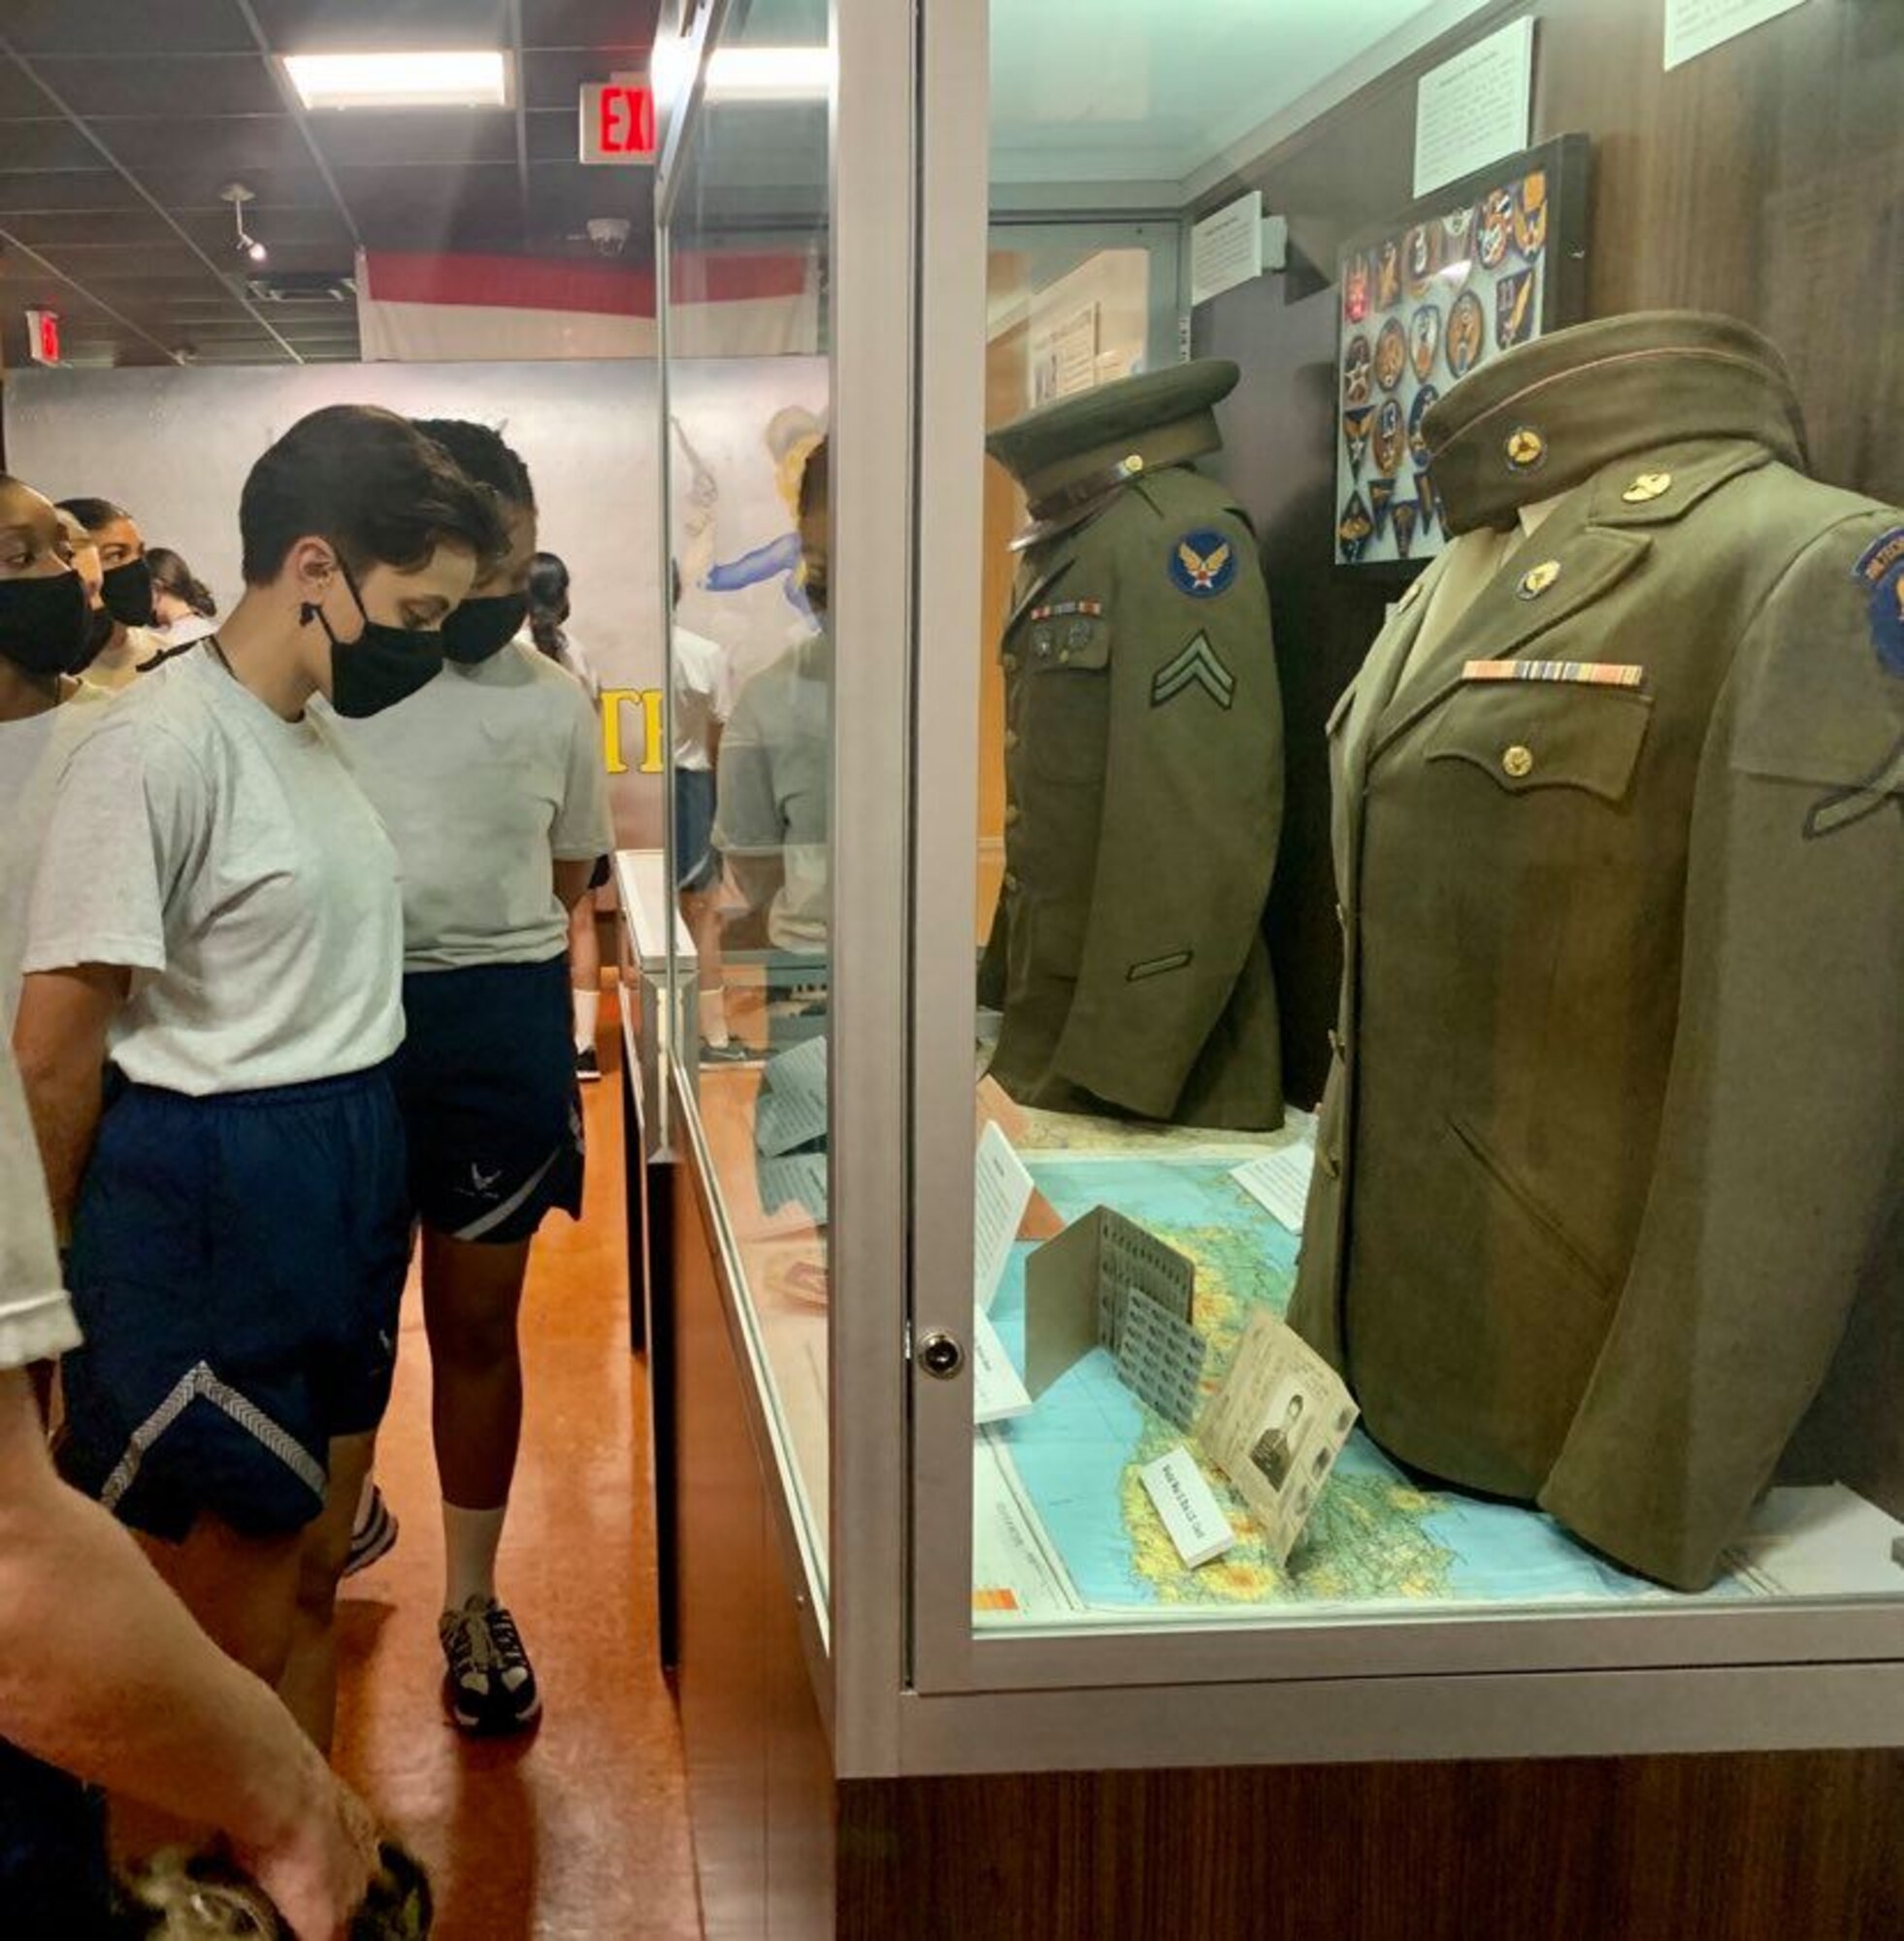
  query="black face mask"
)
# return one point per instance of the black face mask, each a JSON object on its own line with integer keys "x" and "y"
{"x": 127, "y": 591}
{"x": 383, "y": 666}
{"x": 479, "y": 628}
{"x": 45, "y": 624}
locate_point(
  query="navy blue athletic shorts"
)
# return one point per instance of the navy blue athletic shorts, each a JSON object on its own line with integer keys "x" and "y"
{"x": 238, "y": 1267}
{"x": 697, "y": 861}
{"x": 487, "y": 1080}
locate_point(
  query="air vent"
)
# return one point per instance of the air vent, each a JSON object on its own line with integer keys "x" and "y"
{"x": 300, "y": 286}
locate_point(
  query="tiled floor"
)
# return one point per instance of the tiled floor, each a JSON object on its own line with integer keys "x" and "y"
{"x": 581, "y": 1833}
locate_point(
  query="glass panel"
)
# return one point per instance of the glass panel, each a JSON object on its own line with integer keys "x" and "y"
{"x": 1436, "y": 1155}
{"x": 751, "y": 685}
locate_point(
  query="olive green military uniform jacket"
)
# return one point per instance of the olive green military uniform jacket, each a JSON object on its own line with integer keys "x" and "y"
{"x": 1614, "y": 1124}
{"x": 1144, "y": 779}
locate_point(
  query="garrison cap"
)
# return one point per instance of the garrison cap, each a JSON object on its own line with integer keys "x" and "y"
{"x": 1080, "y": 447}
{"x": 1550, "y": 414}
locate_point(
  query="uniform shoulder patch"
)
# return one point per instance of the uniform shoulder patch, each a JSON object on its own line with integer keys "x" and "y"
{"x": 1200, "y": 665}
{"x": 1202, "y": 563}
{"x": 1881, "y": 569}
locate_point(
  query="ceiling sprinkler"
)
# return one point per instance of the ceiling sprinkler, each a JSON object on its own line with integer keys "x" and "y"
{"x": 248, "y": 245}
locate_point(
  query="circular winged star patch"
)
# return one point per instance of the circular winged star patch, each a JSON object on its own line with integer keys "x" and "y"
{"x": 1202, "y": 563}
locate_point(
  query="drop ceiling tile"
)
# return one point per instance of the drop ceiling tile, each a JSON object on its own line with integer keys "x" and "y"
{"x": 316, "y": 26}
{"x": 118, "y": 28}
{"x": 191, "y": 87}
{"x": 27, "y": 146}
{"x": 226, "y": 145}
{"x": 362, "y": 139}
{"x": 589, "y": 23}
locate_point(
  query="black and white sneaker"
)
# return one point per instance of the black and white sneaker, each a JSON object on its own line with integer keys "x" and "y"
{"x": 490, "y": 1685}
{"x": 374, "y": 1535}
{"x": 588, "y": 1065}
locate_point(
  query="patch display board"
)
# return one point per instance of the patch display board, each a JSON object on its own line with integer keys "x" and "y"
{"x": 1467, "y": 273}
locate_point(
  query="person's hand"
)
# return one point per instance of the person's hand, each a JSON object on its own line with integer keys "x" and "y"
{"x": 318, "y": 1874}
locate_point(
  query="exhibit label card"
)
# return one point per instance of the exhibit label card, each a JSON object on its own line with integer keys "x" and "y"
{"x": 1227, "y": 248}
{"x": 1694, "y": 27}
{"x": 1474, "y": 109}
{"x": 1002, "y": 1190}
{"x": 996, "y": 1389}
{"x": 1188, "y": 1507}
{"x": 1280, "y": 1181}
{"x": 1276, "y": 1425}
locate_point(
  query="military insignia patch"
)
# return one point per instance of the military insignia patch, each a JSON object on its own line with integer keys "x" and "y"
{"x": 1513, "y": 317}
{"x": 1424, "y": 399}
{"x": 1353, "y": 528}
{"x": 1356, "y": 428}
{"x": 1354, "y": 289}
{"x": 1467, "y": 333}
{"x": 1424, "y": 341}
{"x": 1391, "y": 437}
{"x": 1199, "y": 665}
{"x": 1381, "y": 496}
{"x": 1525, "y": 449}
{"x": 1202, "y": 563}
{"x": 1402, "y": 517}
{"x": 1531, "y": 216}
{"x": 1391, "y": 354}
{"x": 1388, "y": 275}
{"x": 1358, "y": 371}
{"x": 1881, "y": 569}
{"x": 1496, "y": 227}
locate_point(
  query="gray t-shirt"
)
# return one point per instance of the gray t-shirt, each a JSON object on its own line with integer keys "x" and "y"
{"x": 36, "y": 1318}
{"x": 482, "y": 778}
{"x": 224, "y": 856}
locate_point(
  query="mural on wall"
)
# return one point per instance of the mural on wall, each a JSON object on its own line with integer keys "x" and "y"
{"x": 173, "y": 446}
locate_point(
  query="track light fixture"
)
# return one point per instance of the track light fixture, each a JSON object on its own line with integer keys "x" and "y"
{"x": 246, "y": 245}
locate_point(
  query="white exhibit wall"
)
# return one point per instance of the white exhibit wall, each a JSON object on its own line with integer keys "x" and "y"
{"x": 174, "y": 445}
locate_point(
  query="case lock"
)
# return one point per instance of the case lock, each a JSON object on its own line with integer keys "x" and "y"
{"x": 942, "y": 1355}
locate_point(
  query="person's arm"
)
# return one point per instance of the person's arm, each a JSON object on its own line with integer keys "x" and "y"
{"x": 584, "y": 830}
{"x": 59, "y": 1039}
{"x": 103, "y": 1674}
{"x": 571, "y": 882}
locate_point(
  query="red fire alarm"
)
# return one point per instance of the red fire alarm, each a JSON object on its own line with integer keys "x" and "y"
{"x": 42, "y": 336}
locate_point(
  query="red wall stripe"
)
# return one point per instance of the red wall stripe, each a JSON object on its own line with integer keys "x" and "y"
{"x": 600, "y": 289}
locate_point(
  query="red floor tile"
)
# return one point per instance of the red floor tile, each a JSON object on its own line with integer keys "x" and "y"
{"x": 582, "y": 1831}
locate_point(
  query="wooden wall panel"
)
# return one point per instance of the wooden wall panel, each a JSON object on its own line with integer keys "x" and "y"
{"x": 1793, "y": 1847}
{"x": 1764, "y": 180}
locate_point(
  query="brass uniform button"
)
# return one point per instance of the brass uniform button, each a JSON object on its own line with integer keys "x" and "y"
{"x": 1010, "y": 881}
{"x": 1518, "y": 761}
{"x": 1010, "y": 740}
{"x": 1009, "y": 662}
{"x": 1133, "y": 464}
{"x": 1648, "y": 487}
{"x": 1332, "y": 1166}
{"x": 1538, "y": 578}
{"x": 1012, "y": 813}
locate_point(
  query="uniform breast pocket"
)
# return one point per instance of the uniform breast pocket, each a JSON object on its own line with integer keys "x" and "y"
{"x": 1066, "y": 698}
{"x": 1528, "y": 736}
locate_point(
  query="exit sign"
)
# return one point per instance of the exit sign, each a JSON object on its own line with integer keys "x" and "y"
{"x": 42, "y": 336}
{"x": 617, "y": 121}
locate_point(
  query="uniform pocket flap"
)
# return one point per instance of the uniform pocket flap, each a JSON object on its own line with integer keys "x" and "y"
{"x": 1068, "y": 643}
{"x": 1534, "y": 734}
{"x": 1339, "y": 714}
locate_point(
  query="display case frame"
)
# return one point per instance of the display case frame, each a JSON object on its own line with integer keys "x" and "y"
{"x": 903, "y": 1684}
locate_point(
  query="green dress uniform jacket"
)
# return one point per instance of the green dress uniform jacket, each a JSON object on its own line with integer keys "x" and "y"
{"x": 1144, "y": 778}
{"x": 1613, "y": 1129}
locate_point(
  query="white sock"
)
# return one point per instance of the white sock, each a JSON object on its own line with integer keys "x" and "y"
{"x": 712, "y": 1007}
{"x": 588, "y": 1009}
{"x": 471, "y": 1540}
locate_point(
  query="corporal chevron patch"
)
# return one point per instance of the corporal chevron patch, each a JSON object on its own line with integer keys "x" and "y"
{"x": 1200, "y": 665}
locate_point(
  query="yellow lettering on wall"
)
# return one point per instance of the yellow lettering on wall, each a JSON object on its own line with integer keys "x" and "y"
{"x": 648, "y": 701}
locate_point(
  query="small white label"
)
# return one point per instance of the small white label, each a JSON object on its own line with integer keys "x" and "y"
{"x": 997, "y": 1392}
{"x": 1694, "y": 27}
{"x": 1189, "y": 1507}
{"x": 1227, "y": 248}
{"x": 1004, "y": 1191}
{"x": 1474, "y": 109}
{"x": 1280, "y": 1182}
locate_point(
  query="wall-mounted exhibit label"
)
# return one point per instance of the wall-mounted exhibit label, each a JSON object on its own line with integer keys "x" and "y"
{"x": 1188, "y": 1507}
{"x": 997, "y": 1393}
{"x": 1694, "y": 27}
{"x": 1227, "y": 248}
{"x": 1474, "y": 109}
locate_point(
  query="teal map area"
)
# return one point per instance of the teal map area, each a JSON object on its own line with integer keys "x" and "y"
{"x": 1375, "y": 1535}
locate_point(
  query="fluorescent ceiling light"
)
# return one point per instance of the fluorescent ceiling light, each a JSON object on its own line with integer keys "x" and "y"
{"x": 468, "y": 78}
{"x": 770, "y": 74}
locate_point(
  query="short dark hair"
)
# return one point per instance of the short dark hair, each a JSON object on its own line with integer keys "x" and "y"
{"x": 370, "y": 483}
{"x": 95, "y": 514}
{"x": 482, "y": 453}
{"x": 548, "y": 601}
{"x": 171, "y": 575}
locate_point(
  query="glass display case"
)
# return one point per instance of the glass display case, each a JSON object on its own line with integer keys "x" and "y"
{"x": 1301, "y": 1155}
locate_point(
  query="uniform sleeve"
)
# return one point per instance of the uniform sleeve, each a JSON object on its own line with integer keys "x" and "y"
{"x": 1192, "y": 811}
{"x": 1779, "y": 1154}
{"x": 583, "y": 828}
{"x": 36, "y": 1318}
{"x": 130, "y": 816}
